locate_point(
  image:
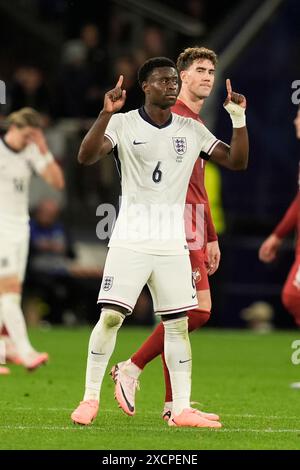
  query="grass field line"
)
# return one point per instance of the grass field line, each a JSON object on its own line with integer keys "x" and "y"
{"x": 137, "y": 428}
{"x": 226, "y": 415}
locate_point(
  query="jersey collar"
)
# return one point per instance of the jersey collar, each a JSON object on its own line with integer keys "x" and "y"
{"x": 186, "y": 108}
{"x": 8, "y": 146}
{"x": 147, "y": 118}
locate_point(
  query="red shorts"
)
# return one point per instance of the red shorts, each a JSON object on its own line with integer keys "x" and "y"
{"x": 198, "y": 262}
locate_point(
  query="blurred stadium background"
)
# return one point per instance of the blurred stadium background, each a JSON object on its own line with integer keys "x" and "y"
{"x": 60, "y": 57}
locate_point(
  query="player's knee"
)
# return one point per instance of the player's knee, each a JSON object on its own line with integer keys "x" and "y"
{"x": 112, "y": 318}
{"x": 9, "y": 299}
{"x": 173, "y": 316}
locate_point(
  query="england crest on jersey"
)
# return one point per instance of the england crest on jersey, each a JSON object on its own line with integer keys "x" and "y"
{"x": 108, "y": 282}
{"x": 180, "y": 145}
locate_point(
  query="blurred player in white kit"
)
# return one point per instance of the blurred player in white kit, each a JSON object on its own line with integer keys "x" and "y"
{"x": 23, "y": 151}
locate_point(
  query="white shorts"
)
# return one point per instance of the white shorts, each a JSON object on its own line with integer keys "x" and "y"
{"x": 169, "y": 279}
{"x": 13, "y": 256}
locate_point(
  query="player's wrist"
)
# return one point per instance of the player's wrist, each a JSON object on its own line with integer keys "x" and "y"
{"x": 237, "y": 114}
{"x": 105, "y": 113}
{"x": 276, "y": 238}
{"x": 48, "y": 157}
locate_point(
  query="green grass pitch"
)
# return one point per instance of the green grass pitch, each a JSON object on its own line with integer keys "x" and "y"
{"x": 240, "y": 375}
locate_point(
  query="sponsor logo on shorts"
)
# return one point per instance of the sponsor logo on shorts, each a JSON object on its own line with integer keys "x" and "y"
{"x": 108, "y": 282}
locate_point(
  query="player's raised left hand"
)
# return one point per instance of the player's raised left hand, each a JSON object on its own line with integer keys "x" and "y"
{"x": 114, "y": 99}
{"x": 234, "y": 97}
{"x": 37, "y": 137}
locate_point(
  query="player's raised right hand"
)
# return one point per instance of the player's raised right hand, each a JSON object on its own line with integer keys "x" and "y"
{"x": 268, "y": 250}
{"x": 114, "y": 99}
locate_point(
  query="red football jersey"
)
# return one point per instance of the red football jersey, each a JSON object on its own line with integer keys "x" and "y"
{"x": 291, "y": 220}
{"x": 196, "y": 193}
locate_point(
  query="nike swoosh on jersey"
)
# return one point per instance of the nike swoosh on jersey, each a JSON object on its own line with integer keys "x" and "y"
{"x": 97, "y": 354}
{"x": 182, "y": 362}
{"x": 135, "y": 142}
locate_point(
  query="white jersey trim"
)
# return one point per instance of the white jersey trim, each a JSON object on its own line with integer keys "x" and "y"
{"x": 111, "y": 140}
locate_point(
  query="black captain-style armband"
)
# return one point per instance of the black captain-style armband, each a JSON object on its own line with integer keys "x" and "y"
{"x": 204, "y": 156}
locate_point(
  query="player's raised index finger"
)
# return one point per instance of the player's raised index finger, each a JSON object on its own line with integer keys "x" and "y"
{"x": 228, "y": 86}
{"x": 120, "y": 81}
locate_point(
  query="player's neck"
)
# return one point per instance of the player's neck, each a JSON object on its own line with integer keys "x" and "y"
{"x": 193, "y": 103}
{"x": 157, "y": 115}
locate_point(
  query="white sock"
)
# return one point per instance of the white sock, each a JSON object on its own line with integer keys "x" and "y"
{"x": 101, "y": 346}
{"x": 178, "y": 358}
{"x": 130, "y": 368}
{"x": 13, "y": 320}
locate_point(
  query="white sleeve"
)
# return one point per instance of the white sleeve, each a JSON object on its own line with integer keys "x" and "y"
{"x": 36, "y": 159}
{"x": 113, "y": 129}
{"x": 206, "y": 139}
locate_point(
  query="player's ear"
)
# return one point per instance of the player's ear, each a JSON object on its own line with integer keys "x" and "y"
{"x": 145, "y": 87}
{"x": 183, "y": 75}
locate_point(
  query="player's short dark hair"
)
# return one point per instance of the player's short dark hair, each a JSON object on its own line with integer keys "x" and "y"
{"x": 155, "y": 62}
{"x": 190, "y": 54}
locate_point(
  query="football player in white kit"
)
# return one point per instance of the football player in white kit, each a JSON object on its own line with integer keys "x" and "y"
{"x": 155, "y": 152}
{"x": 23, "y": 150}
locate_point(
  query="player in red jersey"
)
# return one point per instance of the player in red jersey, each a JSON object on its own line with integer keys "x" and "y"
{"x": 197, "y": 68}
{"x": 269, "y": 249}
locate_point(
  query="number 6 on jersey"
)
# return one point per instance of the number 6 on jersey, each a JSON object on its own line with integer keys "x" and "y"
{"x": 157, "y": 173}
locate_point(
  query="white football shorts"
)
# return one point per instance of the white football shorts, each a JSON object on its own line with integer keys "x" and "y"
{"x": 13, "y": 256}
{"x": 169, "y": 278}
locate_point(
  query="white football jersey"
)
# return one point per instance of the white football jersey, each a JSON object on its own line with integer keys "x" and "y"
{"x": 16, "y": 169}
{"x": 155, "y": 165}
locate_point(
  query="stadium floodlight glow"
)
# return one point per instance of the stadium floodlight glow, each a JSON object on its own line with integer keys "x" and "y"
{"x": 2, "y": 92}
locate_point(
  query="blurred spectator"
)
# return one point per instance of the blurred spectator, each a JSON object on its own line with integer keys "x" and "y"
{"x": 125, "y": 65}
{"x": 29, "y": 90}
{"x": 55, "y": 284}
{"x": 120, "y": 31}
{"x": 96, "y": 55}
{"x": 77, "y": 94}
{"x": 195, "y": 9}
{"x": 52, "y": 10}
{"x": 153, "y": 44}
